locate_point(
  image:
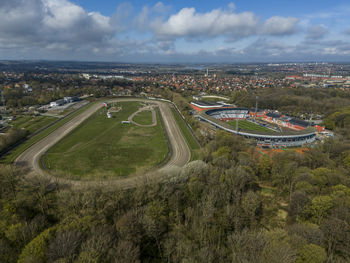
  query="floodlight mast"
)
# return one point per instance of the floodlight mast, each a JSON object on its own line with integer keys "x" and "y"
{"x": 310, "y": 121}
{"x": 256, "y": 106}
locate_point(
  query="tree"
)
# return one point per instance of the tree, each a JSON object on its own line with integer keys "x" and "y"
{"x": 64, "y": 245}
{"x": 264, "y": 167}
{"x": 309, "y": 232}
{"x": 284, "y": 174}
{"x": 252, "y": 207}
{"x": 97, "y": 247}
{"x": 320, "y": 208}
{"x": 9, "y": 180}
{"x": 278, "y": 248}
{"x": 35, "y": 250}
{"x": 312, "y": 253}
{"x": 337, "y": 238}
{"x": 247, "y": 246}
{"x": 321, "y": 178}
{"x": 126, "y": 251}
{"x": 299, "y": 200}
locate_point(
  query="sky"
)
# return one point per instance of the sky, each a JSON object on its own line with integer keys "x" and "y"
{"x": 180, "y": 31}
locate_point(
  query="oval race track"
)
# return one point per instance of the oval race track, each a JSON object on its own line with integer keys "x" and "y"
{"x": 180, "y": 151}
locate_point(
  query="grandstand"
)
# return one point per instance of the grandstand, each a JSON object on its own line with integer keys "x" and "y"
{"x": 229, "y": 113}
{"x": 206, "y": 105}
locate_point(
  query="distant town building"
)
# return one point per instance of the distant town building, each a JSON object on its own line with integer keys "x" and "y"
{"x": 27, "y": 88}
{"x": 86, "y": 76}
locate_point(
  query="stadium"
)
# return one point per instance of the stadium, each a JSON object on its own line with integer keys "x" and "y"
{"x": 268, "y": 129}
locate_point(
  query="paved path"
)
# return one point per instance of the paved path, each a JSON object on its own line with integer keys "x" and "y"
{"x": 180, "y": 151}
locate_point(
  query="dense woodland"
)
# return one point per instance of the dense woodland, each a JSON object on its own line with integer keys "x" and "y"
{"x": 234, "y": 205}
{"x": 11, "y": 137}
{"x": 295, "y": 100}
{"x": 227, "y": 208}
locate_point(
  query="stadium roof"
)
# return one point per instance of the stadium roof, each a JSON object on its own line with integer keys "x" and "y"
{"x": 273, "y": 115}
{"x": 299, "y": 122}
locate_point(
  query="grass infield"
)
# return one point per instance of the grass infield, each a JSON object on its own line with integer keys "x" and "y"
{"x": 102, "y": 148}
{"x": 143, "y": 117}
{"x": 248, "y": 126}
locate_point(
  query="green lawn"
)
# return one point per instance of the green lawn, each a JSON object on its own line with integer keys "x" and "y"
{"x": 192, "y": 143}
{"x": 32, "y": 123}
{"x": 143, "y": 117}
{"x": 11, "y": 157}
{"x": 247, "y": 125}
{"x": 104, "y": 148}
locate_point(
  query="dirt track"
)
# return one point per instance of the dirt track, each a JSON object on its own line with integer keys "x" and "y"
{"x": 154, "y": 117}
{"x": 181, "y": 153}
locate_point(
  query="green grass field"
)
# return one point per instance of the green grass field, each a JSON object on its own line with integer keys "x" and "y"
{"x": 192, "y": 143}
{"x": 143, "y": 117}
{"x": 248, "y": 126}
{"x": 32, "y": 123}
{"x": 103, "y": 148}
{"x": 11, "y": 157}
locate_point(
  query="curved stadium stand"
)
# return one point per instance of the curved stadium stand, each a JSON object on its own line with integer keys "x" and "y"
{"x": 271, "y": 139}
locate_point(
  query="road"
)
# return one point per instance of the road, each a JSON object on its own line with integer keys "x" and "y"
{"x": 180, "y": 152}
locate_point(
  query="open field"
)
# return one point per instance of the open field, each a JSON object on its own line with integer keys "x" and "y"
{"x": 32, "y": 123}
{"x": 11, "y": 156}
{"x": 192, "y": 143}
{"x": 180, "y": 152}
{"x": 248, "y": 126}
{"x": 143, "y": 117}
{"x": 102, "y": 148}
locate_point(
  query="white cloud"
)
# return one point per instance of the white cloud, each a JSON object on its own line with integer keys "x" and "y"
{"x": 188, "y": 23}
{"x": 316, "y": 32}
{"x": 278, "y": 25}
{"x": 61, "y": 14}
{"x": 50, "y": 23}
{"x": 62, "y": 29}
{"x": 149, "y": 15}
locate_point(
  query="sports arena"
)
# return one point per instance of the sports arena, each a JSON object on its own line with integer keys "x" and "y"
{"x": 267, "y": 131}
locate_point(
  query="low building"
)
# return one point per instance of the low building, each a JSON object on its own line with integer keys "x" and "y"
{"x": 71, "y": 99}
{"x": 57, "y": 103}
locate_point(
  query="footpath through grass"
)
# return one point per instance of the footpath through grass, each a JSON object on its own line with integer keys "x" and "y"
{"x": 11, "y": 156}
{"x": 102, "y": 148}
{"x": 248, "y": 126}
{"x": 191, "y": 142}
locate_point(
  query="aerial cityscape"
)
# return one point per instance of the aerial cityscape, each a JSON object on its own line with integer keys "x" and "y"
{"x": 147, "y": 131}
